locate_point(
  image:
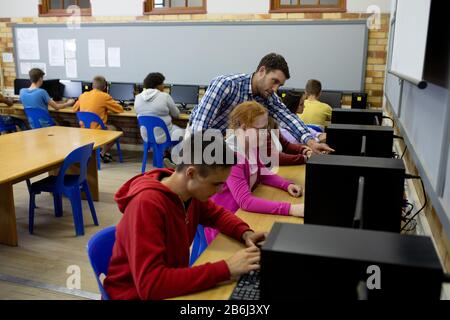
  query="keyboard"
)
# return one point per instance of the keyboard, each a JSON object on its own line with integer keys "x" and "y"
{"x": 247, "y": 287}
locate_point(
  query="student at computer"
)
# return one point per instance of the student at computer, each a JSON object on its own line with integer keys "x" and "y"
{"x": 246, "y": 120}
{"x": 36, "y": 97}
{"x": 153, "y": 101}
{"x": 314, "y": 111}
{"x": 294, "y": 101}
{"x": 8, "y": 120}
{"x": 161, "y": 211}
{"x": 100, "y": 103}
{"x": 289, "y": 154}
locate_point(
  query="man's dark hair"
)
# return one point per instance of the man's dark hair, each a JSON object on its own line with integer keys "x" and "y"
{"x": 198, "y": 146}
{"x": 274, "y": 61}
{"x": 36, "y": 74}
{"x": 154, "y": 79}
{"x": 99, "y": 83}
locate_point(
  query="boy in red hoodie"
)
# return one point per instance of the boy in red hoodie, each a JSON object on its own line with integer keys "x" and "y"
{"x": 161, "y": 210}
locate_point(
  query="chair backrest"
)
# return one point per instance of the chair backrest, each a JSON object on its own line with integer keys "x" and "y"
{"x": 38, "y": 118}
{"x": 88, "y": 117}
{"x": 5, "y": 127}
{"x": 198, "y": 245}
{"x": 150, "y": 123}
{"x": 315, "y": 128}
{"x": 79, "y": 156}
{"x": 99, "y": 249}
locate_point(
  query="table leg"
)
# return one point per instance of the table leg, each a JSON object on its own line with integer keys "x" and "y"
{"x": 92, "y": 176}
{"x": 8, "y": 229}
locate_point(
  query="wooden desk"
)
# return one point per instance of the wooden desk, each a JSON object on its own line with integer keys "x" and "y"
{"x": 224, "y": 247}
{"x": 29, "y": 153}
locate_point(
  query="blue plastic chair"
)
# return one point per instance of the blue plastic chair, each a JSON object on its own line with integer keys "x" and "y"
{"x": 199, "y": 244}
{"x": 87, "y": 118}
{"x": 99, "y": 250}
{"x": 37, "y": 117}
{"x": 315, "y": 128}
{"x": 69, "y": 186}
{"x": 150, "y": 123}
{"x": 6, "y": 127}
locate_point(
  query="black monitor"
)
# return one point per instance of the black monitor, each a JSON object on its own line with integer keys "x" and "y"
{"x": 357, "y": 116}
{"x": 282, "y": 91}
{"x": 122, "y": 91}
{"x": 72, "y": 89}
{"x": 54, "y": 88}
{"x": 86, "y": 86}
{"x": 307, "y": 262}
{"x": 359, "y": 100}
{"x": 21, "y": 84}
{"x": 332, "y": 183}
{"x": 347, "y": 139}
{"x": 332, "y": 98}
{"x": 184, "y": 94}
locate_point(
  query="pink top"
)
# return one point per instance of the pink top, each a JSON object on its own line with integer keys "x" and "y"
{"x": 237, "y": 193}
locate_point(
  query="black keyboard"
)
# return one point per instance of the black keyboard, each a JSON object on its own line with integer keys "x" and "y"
{"x": 247, "y": 287}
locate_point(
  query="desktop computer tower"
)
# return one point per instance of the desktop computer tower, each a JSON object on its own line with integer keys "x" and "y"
{"x": 357, "y": 116}
{"x": 305, "y": 262}
{"x": 347, "y": 139}
{"x": 331, "y": 189}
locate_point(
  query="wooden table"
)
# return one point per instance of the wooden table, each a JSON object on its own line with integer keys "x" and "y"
{"x": 29, "y": 153}
{"x": 224, "y": 247}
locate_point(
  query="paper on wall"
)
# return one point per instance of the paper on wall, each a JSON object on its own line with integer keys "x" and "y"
{"x": 70, "y": 49}
{"x": 39, "y": 65}
{"x": 71, "y": 68}
{"x": 97, "y": 53}
{"x": 114, "y": 57}
{"x": 56, "y": 53}
{"x": 7, "y": 57}
{"x": 28, "y": 43}
{"x": 25, "y": 67}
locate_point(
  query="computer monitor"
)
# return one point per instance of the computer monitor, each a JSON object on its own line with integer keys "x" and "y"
{"x": 332, "y": 183}
{"x": 308, "y": 262}
{"x": 86, "y": 86}
{"x": 282, "y": 91}
{"x": 359, "y": 100}
{"x": 357, "y": 116}
{"x": 21, "y": 84}
{"x": 347, "y": 139}
{"x": 72, "y": 89}
{"x": 184, "y": 94}
{"x": 54, "y": 88}
{"x": 122, "y": 91}
{"x": 332, "y": 98}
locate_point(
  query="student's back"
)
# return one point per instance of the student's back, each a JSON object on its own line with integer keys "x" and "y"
{"x": 153, "y": 102}
{"x": 34, "y": 98}
{"x": 316, "y": 112}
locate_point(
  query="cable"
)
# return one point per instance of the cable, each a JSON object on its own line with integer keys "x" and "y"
{"x": 397, "y": 137}
{"x": 386, "y": 117}
{"x": 408, "y": 176}
{"x": 404, "y": 151}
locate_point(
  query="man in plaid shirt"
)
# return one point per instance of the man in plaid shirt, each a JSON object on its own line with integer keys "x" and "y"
{"x": 226, "y": 92}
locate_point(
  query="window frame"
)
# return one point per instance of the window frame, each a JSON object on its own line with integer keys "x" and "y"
{"x": 46, "y": 11}
{"x": 149, "y": 9}
{"x": 276, "y": 7}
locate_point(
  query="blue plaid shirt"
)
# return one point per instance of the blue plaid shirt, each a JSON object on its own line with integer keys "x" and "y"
{"x": 226, "y": 92}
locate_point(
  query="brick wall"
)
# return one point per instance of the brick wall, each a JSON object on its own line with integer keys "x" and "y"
{"x": 377, "y": 50}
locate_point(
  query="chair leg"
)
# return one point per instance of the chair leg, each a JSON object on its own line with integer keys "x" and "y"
{"x": 31, "y": 213}
{"x": 119, "y": 151}
{"x": 77, "y": 210}
{"x": 158, "y": 157}
{"x": 144, "y": 158}
{"x": 99, "y": 166}
{"x": 57, "y": 203}
{"x": 29, "y": 190}
{"x": 85, "y": 188}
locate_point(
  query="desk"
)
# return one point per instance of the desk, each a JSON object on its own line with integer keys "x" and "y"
{"x": 224, "y": 247}
{"x": 29, "y": 153}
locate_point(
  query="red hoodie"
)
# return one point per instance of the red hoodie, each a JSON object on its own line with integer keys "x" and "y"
{"x": 150, "y": 258}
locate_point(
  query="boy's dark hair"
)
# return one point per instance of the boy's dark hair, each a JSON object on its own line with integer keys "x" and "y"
{"x": 292, "y": 100}
{"x": 154, "y": 79}
{"x": 274, "y": 61}
{"x": 36, "y": 74}
{"x": 200, "y": 144}
{"x": 99, "y": 83}
{"x": 313, "y": 87}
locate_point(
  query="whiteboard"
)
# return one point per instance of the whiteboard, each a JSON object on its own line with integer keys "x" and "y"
{"x": 194, "y": 53}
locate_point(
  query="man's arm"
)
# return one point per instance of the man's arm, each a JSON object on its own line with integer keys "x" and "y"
{"x": 58, "y": 106}
{"x": 207, "y": 109}
{"x": 8, "y": 101}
